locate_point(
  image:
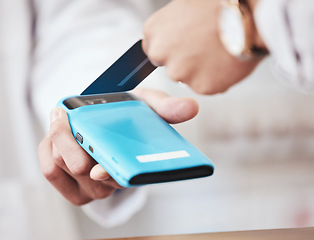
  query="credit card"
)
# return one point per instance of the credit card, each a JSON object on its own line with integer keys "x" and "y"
{"x": 124, "y": 74}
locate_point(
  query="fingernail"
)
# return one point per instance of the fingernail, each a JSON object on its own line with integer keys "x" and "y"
{"x": 54, "y": 114}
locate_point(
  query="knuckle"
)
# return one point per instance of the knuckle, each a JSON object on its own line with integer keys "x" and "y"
{"x": 50, "y": 172}
{"x": 156, "y": 56}
{"x": 147, "y": 29}
{"x": 149, "y": 25}
{"x": 81, "y": 167}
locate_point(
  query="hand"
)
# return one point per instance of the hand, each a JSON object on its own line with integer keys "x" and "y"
{"x": 73, "y": 172}
{"x": 183, "y": 36}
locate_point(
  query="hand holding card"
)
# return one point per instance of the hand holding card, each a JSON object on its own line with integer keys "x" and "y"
{"x": 112, "y": 126}
{"x": 124, "y": 135}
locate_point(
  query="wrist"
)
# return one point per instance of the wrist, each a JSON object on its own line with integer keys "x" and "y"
{"x": 238, "y": 32}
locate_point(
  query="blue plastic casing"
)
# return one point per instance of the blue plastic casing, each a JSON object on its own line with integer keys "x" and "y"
{"x": 134, "y": 144}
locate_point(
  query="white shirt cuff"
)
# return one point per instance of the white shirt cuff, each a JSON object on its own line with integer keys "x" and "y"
{"x": 118, "y": 208}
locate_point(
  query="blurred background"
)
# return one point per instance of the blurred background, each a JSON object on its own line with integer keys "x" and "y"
{"x": 259, "y": 134}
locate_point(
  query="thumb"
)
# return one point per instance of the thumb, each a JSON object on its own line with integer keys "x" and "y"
{"x": 98, "y": 173}
{"x": 172, "y": 109}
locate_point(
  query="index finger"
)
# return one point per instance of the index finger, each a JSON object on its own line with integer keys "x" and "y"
{"x": 75, "y": 158}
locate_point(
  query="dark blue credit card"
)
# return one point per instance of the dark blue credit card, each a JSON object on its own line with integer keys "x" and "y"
{"x": 124, "y": 74}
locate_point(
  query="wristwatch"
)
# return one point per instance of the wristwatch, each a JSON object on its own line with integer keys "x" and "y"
{"x": 237, "y": 30}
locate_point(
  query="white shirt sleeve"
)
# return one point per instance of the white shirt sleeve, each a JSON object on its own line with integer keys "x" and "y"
{"x": 75, "y": 42}
{"x": 286, "y": 26}
{"x": 118, "y": 208}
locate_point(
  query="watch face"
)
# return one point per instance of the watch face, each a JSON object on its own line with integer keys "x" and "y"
{"x": 232, "y": 31}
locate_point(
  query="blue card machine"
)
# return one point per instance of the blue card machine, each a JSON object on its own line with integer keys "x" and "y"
{"x": 128, "y": 139}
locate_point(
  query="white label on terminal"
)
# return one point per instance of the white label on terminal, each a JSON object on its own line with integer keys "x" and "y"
{"x": 162, "y": 156}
